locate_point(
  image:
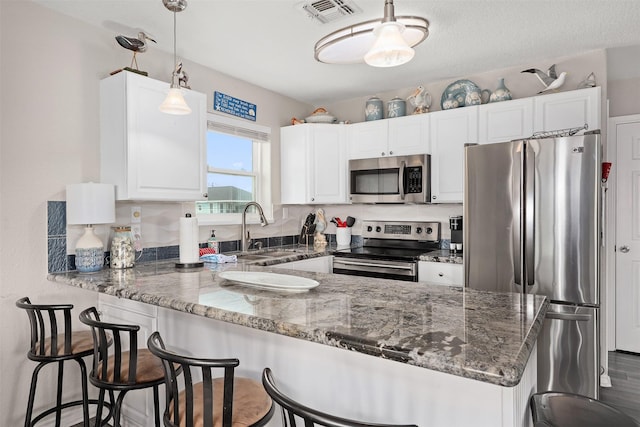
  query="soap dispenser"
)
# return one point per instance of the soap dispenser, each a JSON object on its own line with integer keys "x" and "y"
{"x": 212, "y": 242}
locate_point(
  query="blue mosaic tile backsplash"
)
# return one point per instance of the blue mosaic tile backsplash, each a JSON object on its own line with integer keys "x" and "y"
{"x": 59, "y": 261}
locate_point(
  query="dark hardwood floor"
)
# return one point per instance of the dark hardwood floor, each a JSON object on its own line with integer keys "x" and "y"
{"x": 624, "y": 393}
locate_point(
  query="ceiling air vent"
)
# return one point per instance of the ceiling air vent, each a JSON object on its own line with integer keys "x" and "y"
{"x": 330, "y": 10}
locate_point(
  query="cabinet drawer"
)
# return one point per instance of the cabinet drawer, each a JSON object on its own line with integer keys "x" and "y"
{"x": 440, "y": 273}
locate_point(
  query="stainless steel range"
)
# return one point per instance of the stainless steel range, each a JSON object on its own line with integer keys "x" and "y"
{"x": 390, "y": 250}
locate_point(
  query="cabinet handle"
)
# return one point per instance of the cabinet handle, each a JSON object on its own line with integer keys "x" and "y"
{"x": 390, "y": 152}
{"x": 205, "y": 195}
{"x": 382, "y": 154}
{"x": 441, "y": 274}
{"x": 313, "y": 199}
{"x": 433, "y": 197}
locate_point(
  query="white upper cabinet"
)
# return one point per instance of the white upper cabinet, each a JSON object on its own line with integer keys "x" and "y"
{"x": 567, "y": 110}
{"x": 450, "y": 131}
{"x": 506, "y": 121}
{"x": 313, "y": 164}
{"x": 147, "y": 154}
{"x": 399, "y": 136}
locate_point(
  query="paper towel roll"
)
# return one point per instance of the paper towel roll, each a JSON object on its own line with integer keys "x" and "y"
{"x": 189, "y": 250}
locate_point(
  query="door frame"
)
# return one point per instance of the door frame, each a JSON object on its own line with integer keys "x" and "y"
{"x": 610, "y": 258}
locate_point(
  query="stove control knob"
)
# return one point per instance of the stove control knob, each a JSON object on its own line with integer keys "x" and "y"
{"x": 418, "y": 230}
{"x": 369, "y": 228}
{"x": 429, "y": 230}
{"x": 378, "y": 229}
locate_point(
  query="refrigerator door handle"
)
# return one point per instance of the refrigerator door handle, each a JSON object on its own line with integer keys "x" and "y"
{"x": 568, "y": 316}
{"x": 517, "y": 235}
{"x": 529, "y": 215}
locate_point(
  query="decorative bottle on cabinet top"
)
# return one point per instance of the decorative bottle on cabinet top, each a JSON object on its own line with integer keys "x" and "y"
{"x": 502, "y": 93}
{"x": 373, "y": 109}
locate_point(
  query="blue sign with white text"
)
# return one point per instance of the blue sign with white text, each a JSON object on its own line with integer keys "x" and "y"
{"x": 234, "y": 106}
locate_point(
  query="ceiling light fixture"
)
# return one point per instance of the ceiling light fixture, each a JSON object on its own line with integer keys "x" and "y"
{"x": 174, "y": 103}
{"x": 385, "y": 43}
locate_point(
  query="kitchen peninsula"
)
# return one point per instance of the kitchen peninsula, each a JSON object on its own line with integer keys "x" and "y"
{"x": 372, "y": 349}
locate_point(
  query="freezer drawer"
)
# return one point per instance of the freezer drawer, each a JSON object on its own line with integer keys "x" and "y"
{"x": 568, "y": 356}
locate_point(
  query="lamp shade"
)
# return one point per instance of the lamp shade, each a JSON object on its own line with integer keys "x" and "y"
{"x": 174, "y": 103}
{"x": 390, "y": 48}
{"x": 91, "y": 203}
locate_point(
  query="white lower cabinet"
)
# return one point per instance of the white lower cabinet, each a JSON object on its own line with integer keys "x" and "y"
{"x": 313, "y": 164}
{"x": 137, "y": 407}
{"x": 322, "y": 264}
{"x": 441, "y": 273}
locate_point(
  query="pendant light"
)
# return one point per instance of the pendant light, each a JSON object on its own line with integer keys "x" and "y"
{"x": 174, "y": 103}
{"x": 379, "y": 43}
{"x": 390, "y": 48}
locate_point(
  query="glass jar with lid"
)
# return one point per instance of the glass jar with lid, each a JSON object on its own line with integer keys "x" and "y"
{"x": 123, "y": 254}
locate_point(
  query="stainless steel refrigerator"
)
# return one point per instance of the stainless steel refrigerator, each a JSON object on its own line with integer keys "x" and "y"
{"x": 532, "y": 211}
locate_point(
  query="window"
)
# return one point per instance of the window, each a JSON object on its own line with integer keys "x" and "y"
{"x": 238, "y": 155}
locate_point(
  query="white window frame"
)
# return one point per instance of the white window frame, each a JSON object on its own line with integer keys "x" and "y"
{"x": 261, "y": 137}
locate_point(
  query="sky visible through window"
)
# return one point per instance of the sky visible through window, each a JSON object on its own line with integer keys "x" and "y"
{"x": 229, "y": 152}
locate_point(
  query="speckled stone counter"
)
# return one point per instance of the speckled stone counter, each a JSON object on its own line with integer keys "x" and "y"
{"x": 442, "y": 255}
{"x": 472, "y": 334}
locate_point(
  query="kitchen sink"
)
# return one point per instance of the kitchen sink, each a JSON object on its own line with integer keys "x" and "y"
{"x": 266, "y": 254}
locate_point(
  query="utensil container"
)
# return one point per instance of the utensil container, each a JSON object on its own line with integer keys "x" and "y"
{"x": 343, "y": 236}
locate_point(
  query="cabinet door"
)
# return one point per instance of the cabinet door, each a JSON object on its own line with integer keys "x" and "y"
{"x": 368, "y": 139}
{"x": 506, "y": 121}
{"x": 409, "y": 135}
{"x": 450, "y": 131}
{"x": 147, "y": 154}
{"x": 328, "y": 164}
{"x": 567, "y": 110}
{"x": 294, "y": 164}
{"x": 440, "y": 273}
{"x": 137, "y": 408}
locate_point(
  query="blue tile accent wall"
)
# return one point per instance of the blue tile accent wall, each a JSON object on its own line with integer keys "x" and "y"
{"x": 59, "y": 261}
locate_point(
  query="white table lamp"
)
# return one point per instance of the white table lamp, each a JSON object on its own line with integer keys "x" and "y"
{"x": 89, "y": 204}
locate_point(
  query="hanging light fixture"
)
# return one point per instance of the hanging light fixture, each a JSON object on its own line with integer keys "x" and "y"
{"x": 385, "y": 43}
{"x": 174, "y": 103}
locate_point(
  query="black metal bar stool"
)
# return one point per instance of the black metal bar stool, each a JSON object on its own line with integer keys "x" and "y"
{"x": 291, "y": 410}
{"x": 52, "y": 340}
{"x": 219, "y": 402}
{"x": 554, "y": 409}
{"x": 118, "y": 370}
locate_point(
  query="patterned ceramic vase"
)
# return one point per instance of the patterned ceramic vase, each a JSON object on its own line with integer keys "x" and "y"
{"x": 373, "y": 109}
{"x": 397, "y": 107}
{"x": 502, "y": 93}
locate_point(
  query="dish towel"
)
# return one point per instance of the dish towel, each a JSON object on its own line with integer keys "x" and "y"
{"x": 219, "y": 258}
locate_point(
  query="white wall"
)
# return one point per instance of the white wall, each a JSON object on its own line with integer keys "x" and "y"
{"x": 50, "y": 69}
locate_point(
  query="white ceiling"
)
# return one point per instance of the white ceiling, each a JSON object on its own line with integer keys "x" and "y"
{"x": 270, "y": 42}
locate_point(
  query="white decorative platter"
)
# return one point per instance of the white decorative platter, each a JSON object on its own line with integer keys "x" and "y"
{"x": 320, "y": 118}
{"x": 272, "y": 281}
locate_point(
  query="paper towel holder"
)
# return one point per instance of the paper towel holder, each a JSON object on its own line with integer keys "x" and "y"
{"x": 186, "y": 265}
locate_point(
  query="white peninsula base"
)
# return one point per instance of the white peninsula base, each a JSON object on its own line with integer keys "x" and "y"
{"x": 351, "y": 384}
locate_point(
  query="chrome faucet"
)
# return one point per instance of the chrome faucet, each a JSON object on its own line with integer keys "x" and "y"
{"x": 246, "y": 238}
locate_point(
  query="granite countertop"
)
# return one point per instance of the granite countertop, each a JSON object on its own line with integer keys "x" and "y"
{"x": 442, "y": 255}
{"x": 473, "y": 334}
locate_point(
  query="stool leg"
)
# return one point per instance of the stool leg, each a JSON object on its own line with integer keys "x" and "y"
{"x": 116, "y": 413}
{"x": 59, "y": 393}
{"x": 32, "y": 394}
{"x": 85, "y": 392}
{"x": 156, "y": 405}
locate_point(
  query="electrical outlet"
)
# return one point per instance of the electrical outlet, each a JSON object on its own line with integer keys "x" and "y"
{"x": 136, "y": 215}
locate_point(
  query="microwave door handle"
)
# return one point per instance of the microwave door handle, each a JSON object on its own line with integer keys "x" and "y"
{"x": 401, "y": 178}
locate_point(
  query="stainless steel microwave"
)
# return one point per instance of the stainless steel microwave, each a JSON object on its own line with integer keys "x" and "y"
{"x": 400, "y": 179}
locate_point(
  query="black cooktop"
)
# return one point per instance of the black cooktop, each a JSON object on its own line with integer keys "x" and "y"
{"x": 399, "y": 254}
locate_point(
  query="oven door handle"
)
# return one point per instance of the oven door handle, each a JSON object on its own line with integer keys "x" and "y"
{"x": 370, "y": 264}
{"x": 403, "y": 166}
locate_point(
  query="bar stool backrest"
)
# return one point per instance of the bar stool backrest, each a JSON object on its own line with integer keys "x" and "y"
{"x": 293, "y": 411}
{"x": 192, "y": 370}
{"x": 124, "y": 351}
{"x": 50, "y": 329}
